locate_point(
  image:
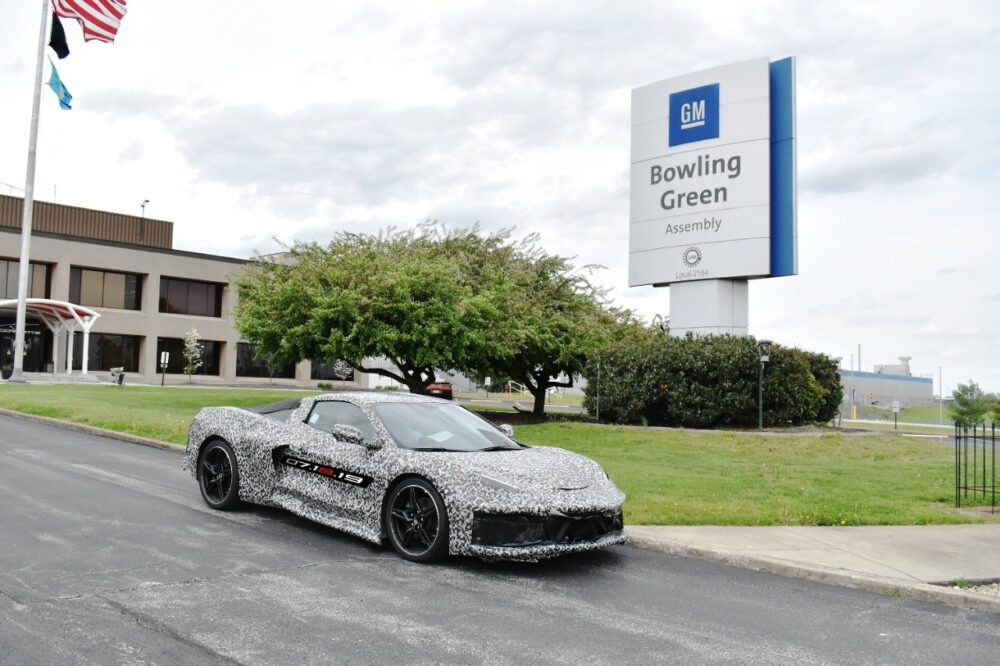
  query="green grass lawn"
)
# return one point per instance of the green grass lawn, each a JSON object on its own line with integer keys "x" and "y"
{"x": 677, "y": 477}
{"x": 927, "y": 415}
{"x": 148, "y": 411}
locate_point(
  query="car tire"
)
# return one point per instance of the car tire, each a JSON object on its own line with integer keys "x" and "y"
{"x": 219, "y": 476}
{"x": 416, "y": 521}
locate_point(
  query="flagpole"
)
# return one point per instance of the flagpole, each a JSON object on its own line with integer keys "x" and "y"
{"x": 29, "y": 200}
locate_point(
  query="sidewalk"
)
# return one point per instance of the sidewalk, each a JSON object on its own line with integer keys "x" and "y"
{"x": 912, "y": 561}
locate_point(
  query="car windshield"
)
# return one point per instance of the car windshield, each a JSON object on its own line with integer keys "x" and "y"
{"x": 440, "y": 427}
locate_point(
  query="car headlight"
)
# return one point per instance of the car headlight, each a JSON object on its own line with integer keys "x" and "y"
{"x": 497, "y": 483}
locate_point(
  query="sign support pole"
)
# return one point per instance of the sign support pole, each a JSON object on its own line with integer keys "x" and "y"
{"x": 17, "y": 375}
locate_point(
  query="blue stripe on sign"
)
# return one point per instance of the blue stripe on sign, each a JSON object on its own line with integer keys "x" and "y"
{"x": 782, "y": 76}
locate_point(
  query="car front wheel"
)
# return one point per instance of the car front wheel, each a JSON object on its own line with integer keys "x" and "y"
{"x": 219, "y": 476}
{"x": 416, "y": 521}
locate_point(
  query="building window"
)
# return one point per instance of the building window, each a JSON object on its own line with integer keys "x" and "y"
{"x": 249, "y": 365}
{"x": 191, "y": 297}
{"x": 340, "y": 371}
{"x": 107, "y": 350}
{"x": 38, "y": 279}
{"x": 211, "y": 353}
{"x": 105, "y": 289}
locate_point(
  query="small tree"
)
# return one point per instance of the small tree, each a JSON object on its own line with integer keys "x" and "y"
{"x": 971, "y": 404}
{"x": 193, "y": 352}
{"x": 342, "y": 370}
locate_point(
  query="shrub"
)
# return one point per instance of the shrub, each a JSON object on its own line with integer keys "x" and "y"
{"x": 709, "y": 381}
{"x": 630, "y": 372}
{"x": 827, "y": 372}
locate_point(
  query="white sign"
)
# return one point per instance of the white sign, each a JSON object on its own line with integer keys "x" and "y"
{"x": 164, "y": 359}
{"x": 701, "y": 176}
{"x": 895, "y": 406}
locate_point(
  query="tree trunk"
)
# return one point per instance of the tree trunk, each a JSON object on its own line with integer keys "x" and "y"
{"x": 416, "y": 385}
{"x": 539, "y": 393}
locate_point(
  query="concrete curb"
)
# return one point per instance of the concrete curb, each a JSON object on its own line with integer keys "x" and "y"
{"x": 93, "y": 430}
{"x": 867, "y": 583}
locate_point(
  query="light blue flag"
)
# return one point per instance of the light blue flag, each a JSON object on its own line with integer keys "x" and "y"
{"x": 59, "y": 89}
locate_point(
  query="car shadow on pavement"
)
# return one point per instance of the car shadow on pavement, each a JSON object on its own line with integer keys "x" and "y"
{"x": 562, "y": 566}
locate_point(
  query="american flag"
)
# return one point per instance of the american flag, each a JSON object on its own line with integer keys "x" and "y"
{"x": 99, "y": 18}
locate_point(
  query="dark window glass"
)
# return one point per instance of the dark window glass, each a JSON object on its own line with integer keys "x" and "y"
{"x": 133, "y": 292}
{"x": 214, "y": 301}
{"x": 247, "y": 365}
{"x": 197, "y": 299}
{"x": 335, "y": 370}
{"x": 37, "y": 345}
{"x": 104, "y": 289}
{"x": 177, "y": 296}
{"x": 191, "y": 297}
{"x": 211, "y": 353}
{"x": 38, "y": 279}
{"x": 107, "y": 350}
{"x": 326, "y": 414}
{"x": 75, "y": 276}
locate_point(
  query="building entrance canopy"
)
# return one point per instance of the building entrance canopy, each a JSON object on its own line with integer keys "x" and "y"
{"x": 61, "y": 316}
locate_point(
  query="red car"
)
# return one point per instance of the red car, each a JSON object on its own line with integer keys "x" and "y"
{"x": 440, "y": 390}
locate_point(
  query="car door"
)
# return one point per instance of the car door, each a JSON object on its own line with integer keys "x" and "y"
{"x": 334, "y": 473}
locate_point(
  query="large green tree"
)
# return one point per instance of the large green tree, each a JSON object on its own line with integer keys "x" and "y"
{"x": 399, "y": 295}
{"x": 971, "y": 404}
{"x": 428, "y": 299}
{"x": 551, "y": 317}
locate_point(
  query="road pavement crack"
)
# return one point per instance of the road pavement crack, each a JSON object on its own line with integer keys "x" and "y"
{"x": 151, "y": 623}
{"x": 14, "y": 600}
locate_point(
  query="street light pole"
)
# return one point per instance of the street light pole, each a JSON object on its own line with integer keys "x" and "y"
{"x": 763, "y": 346}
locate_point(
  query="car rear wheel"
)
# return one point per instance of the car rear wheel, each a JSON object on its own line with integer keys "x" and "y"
{"x": 416, "y": 521}
{"x": 219, "y": 476}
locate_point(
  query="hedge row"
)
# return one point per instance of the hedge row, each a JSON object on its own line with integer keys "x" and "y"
{"x": 708, "y": 381}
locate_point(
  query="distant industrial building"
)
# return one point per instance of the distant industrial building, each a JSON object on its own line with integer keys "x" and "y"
{"x": 887, "y": 384}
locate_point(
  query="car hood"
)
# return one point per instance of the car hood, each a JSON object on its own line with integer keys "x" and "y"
{"x": 533, "y": 468}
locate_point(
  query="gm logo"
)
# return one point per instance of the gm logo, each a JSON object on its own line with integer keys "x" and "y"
{"x": 694, "y": 114}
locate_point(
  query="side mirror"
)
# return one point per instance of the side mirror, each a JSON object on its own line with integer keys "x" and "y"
{"x": 507, "y": 429}
{"x": 351, "y": 435}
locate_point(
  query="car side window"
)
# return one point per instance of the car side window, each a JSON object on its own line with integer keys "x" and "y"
{"x": 326, "y": 414}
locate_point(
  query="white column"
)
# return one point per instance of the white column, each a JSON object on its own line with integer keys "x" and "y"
{"x": 69, "y": 351}
{"x": 86, "y": 350}
{"x": 55, "y": 349}
{"x": 705, "y": 307}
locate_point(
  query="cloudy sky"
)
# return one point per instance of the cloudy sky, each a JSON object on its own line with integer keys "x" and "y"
{"x": 242, "y": 121}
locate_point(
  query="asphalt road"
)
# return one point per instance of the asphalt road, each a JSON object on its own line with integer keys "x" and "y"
{"x": 107, "y": 555}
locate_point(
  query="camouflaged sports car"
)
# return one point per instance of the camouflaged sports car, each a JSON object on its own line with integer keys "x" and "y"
{"x": 428, "y": 475}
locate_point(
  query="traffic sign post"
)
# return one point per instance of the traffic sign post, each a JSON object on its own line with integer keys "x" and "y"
{"x": 895, "y": 414}
{"x": 164, "y": 362}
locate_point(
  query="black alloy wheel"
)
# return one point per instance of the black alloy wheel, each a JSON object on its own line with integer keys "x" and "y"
{"x": 219, "y": 476}
{"x": 416, "y": 521}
